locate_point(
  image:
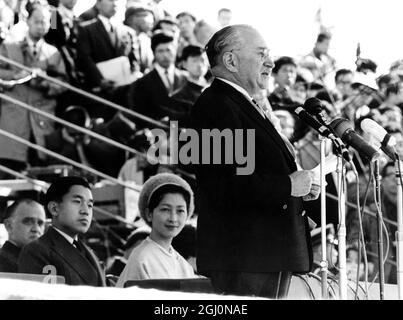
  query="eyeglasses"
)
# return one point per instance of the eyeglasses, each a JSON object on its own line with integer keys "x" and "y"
{"x": 263, "y": 53}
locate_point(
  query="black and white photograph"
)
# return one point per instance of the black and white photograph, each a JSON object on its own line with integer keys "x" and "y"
{"x": 201, "y": 156}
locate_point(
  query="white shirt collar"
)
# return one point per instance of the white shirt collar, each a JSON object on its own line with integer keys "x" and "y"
{"x": 244, "y": 92}
{"x": 237, "y": 87}
{"x": 31, "y": 42}
{"x": 66, "y": 236}
{"x": 106, "y": 22}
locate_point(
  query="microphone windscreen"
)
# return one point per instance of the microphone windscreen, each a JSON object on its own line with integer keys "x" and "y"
{"x": 377, "y": 131}
{"x": 313, "y": 106}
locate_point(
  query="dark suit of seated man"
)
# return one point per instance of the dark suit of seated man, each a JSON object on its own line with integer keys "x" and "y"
{"x": 59, "y": 251}
{"x": 150, "y": 95}
{"x": 25, "y": 222}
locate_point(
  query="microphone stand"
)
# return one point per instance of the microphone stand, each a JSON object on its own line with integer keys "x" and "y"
{"x": 379, "y": 229}
{"x": 399, "y": 232}
{"x": 324, "y": 262}
{"x": 341, "y": 179}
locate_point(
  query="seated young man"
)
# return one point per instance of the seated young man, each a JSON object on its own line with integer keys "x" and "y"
{"x": 59, "y": 251}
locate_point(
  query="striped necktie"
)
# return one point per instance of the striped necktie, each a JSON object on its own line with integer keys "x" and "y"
{"x": 269, "y": 116}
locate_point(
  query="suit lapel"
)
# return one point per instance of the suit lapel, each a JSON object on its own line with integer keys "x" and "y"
{"x": 250, "y": 111}
{"x": 94, "y": 260}
{"x": 177, "y": 80}
{"x": 73, "y": 257}
{"x": 158, "y": 79}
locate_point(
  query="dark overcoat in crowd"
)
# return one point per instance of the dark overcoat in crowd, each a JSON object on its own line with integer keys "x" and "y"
{"x": 149, "y": 96}
{"x": 9, "y": 257}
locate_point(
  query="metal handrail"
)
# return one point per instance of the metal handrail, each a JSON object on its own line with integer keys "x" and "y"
{"x": 84, "y": 93}
{"x": 71, "y": 125}
{"x": 65, "y": 159}
{"x": 34, "y": 181}
{"x": 372, "y": 214}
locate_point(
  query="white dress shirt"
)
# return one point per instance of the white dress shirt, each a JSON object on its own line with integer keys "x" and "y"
{"x": 66, "y": 236}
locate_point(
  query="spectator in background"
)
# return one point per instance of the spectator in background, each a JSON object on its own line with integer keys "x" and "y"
{"x": 65, "y": 36}
{"x": 194, "y": 61}
{"x": 150, "y": 95}
{"x": 159, "y": 12}
{"x": 141, "y": 20}
{"x": 203, "y": 32}
{"x": 25, "y": 222}
{"x": 283, "y": 97}
{"x": 69, "y": 201}
{"x": 165, "y": 203}
{"x": 187, "y": 22}
{"x": 6, "y": 15}
{"x": 344, "y": 80}
{"x": 285, "y": 75}
{"x": 287, "y": 123}
{"x": 168, "y": 25}
{"x": 224, "y": 17}
{"x": 100, "y": 40}
{"x": 319, "y": 62}
{"x": 33, "y": 52}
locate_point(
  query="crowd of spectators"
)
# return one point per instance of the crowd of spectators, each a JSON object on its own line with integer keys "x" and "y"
{"x": 168, "y": 70}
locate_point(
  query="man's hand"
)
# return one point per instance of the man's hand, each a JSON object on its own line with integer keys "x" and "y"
{"x": 313, "y": 194}
{"x": 301, "y": 183}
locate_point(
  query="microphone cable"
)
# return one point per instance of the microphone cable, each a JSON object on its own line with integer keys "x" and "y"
{"x": 361, "y": 239}
{"x": 384, "y": 229}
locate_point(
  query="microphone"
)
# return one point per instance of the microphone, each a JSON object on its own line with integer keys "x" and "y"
{"x": 315, "y": 107}
{"x": 312, "y": 122}
{"x": 345, "y": 130}
{"x": 386, "y": 140}
{"x": 324, "y": 131}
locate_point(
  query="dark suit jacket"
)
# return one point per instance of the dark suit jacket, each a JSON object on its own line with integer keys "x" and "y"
{"x": 54, "y": 250}
{"x": 149, "y": 96}
{"x": 247, "y": 223}
{"x": 67, "y": 46}
{"x": 94, "y": 46}
{"x": 9, "y": 257}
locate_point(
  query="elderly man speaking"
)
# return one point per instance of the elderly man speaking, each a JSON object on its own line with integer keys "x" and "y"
{"x": 252, "y": 229}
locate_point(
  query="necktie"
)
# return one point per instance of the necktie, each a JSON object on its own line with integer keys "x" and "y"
{"x": 170, "y": 88}
{"x": 268, "y": 114}
{"x": 112, "y": 35}
{"x": 79, "y": 247}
